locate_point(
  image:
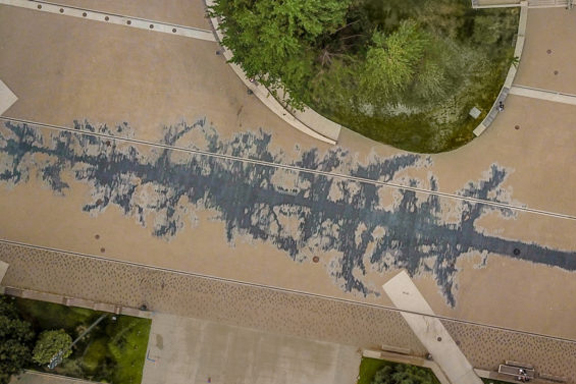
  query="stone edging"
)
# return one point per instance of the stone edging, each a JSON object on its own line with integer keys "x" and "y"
{"x": 61, "y": 378}
{"x": 74, "y": 302}
{"x": 511, "y": 72}
{"x": 307, "y": 121}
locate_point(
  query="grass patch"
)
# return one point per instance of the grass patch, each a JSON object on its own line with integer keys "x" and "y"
{"x": 114, "y": 351}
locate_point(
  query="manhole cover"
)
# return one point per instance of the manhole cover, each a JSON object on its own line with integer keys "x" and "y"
{"x": 439, "y": 338}
{"x": 315, "y": 259}
{"x": 516, "y": 251}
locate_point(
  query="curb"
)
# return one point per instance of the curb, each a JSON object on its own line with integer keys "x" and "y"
{"x": 74, "y": 302}
{"x": 505, "y": 90}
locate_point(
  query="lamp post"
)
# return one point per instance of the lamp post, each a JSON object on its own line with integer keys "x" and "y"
{"x": 59, "y": 356}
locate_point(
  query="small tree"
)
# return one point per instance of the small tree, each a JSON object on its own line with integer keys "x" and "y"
{"x": 391, "y": 61}
{"x": 16, "y": 336}
{"x": 49, "y": 344}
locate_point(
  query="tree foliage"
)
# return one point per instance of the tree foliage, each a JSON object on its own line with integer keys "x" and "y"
{"x": 404, "y": 374}
{"x": 391, "y": 61}
{"x": 272, "y": 39}
{"x": 49, "y": 344}
{"x": 405, "y": 72}
{"x": 16, "y": 336}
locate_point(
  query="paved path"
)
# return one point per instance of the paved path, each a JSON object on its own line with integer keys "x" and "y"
{"x": 431, "y": 332}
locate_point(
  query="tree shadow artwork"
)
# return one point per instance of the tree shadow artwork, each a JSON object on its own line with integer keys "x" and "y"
{"x": 316, "y": 203}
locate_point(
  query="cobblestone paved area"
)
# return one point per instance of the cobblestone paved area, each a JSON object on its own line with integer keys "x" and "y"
{"x": 268, "y": 309}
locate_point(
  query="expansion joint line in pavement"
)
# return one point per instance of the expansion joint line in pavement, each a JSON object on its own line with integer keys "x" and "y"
{"x": 113, "y": 18}
{"x": 543, "y": 94}
{"x": 294, "y": 168}
{"x": 278, "y": 289}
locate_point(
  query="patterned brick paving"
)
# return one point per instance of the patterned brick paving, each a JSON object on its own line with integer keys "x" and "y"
{"x": 267, "y": 309}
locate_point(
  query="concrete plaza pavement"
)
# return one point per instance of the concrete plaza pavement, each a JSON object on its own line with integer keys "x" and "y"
{"x": 184, "y": 350}
{"x": 64, "y": 69}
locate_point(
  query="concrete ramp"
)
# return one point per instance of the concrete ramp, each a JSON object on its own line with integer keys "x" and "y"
{"x": 3, "y": 269}
{"x": 430, "y": 331}
{"x": 7, "y": 97}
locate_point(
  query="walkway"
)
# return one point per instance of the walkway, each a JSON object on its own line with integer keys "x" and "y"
{"x": 431, "y": 332}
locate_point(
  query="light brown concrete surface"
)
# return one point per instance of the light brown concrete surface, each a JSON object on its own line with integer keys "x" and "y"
{"x": 549, "y": 29}
{"x": 112, "y": 74}
{"x": 274, "y": 311}
{"x": 190, "y": 13}
{"x": 64, "y": 69}
{"x": 183, "y": 350}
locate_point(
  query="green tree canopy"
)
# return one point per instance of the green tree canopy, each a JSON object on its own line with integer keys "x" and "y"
{"x": 403, "y": 72}
{"x": 16, "y": 336}
{"x": 49, "y": 344}
{"x": 272, "y": 39}
{"x": 404, "y": 374}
